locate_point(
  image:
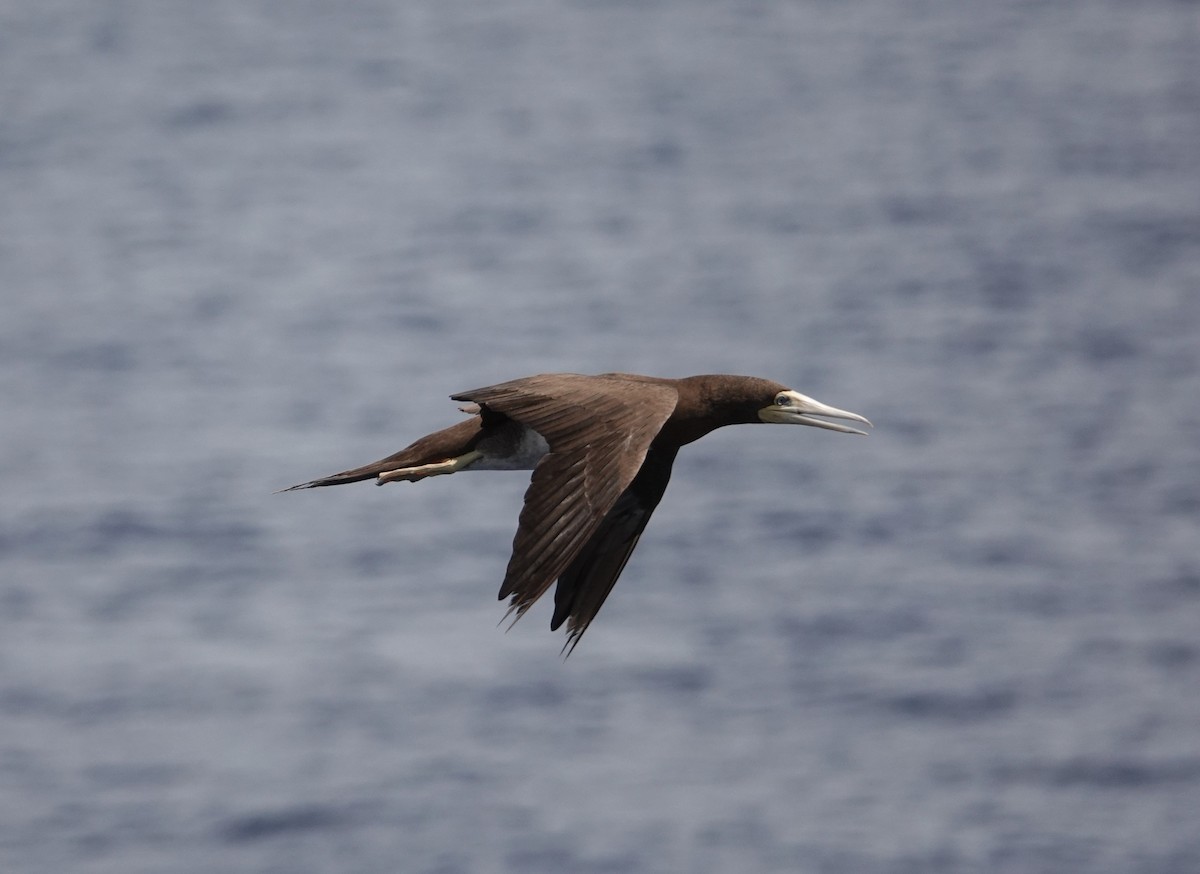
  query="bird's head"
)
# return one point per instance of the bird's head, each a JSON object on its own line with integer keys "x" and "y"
{"x": 789, "y": 407}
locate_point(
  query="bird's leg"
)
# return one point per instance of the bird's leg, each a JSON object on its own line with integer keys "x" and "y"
{"x": 412, "y": 474}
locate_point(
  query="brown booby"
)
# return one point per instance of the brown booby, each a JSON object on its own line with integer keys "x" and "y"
{"x": 601, "y": 450}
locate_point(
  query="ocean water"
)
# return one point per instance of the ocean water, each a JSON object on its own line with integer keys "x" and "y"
{"x": 243, "y": 244}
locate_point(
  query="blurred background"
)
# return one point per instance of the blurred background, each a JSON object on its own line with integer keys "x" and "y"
{"x": 244, "y": 244}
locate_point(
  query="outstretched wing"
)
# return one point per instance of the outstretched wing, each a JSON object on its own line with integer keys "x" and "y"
{"x": 589, "y": 578}
{"x": 599, "y": 429}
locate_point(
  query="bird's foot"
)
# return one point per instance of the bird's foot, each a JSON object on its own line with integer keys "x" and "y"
{"x": 438, "y": 468}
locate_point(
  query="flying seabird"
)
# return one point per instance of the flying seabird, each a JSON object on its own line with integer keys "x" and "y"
{"x": 601, "y": 450}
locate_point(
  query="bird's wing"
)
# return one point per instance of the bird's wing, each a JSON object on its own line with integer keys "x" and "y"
{"x": 599, "y": 430}
{"x": 589, "y": 578}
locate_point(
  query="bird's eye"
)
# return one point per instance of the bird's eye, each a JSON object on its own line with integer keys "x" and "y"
{"x": 782, "y": 401}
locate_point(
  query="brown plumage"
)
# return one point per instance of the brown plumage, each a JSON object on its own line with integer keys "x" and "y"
{"x": 601, "y": 450}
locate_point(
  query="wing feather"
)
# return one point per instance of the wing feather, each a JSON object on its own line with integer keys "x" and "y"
{"x": 599, "y": 429}
{"x": 585, "y": 584}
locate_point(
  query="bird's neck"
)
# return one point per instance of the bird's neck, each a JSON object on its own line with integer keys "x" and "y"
{"x": 701, "y": 409}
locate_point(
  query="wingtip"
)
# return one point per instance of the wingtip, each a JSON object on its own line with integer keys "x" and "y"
{"x": 516, "y": 611}
{"x": 568, "y": 647}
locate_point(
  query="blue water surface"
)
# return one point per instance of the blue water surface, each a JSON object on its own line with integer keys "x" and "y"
{"x": 243, "y": 244}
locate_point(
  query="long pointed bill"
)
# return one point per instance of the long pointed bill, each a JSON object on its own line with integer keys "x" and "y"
{"x": 800, "y": 409}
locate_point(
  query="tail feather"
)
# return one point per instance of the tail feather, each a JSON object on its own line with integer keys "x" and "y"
{"x": 438, "y": 446}
{"x": 350, "y": 476}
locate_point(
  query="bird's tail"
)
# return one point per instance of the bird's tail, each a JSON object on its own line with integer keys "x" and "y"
{"x": 430, "y": 455}
{"x": 358, "y": 474}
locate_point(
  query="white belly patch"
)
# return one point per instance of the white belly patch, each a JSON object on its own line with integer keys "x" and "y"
{"x": 523, "y": 453}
